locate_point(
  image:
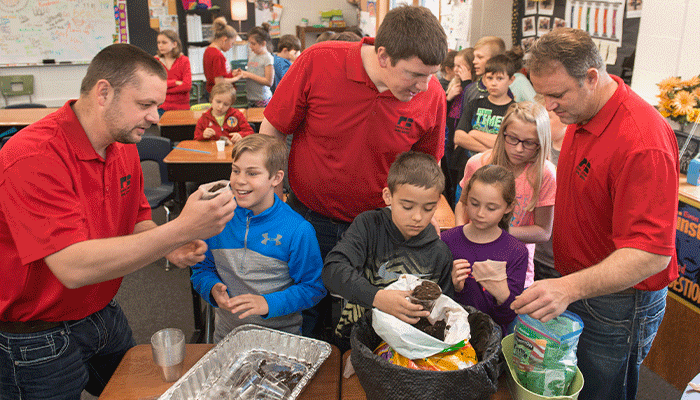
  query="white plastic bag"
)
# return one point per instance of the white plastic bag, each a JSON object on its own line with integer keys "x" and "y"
{"x": 413, "y": 343}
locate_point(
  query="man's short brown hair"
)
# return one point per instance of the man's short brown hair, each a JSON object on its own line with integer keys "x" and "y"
{"x": 118, "y": 64}
{"x": 273, "y": 149}
{"x": 409, "y": 31}
{"x": 573, "y": 48}
{"x": 417, "y": 169}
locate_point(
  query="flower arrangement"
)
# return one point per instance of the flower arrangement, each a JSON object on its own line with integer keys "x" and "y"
{"x": 679, "y": 100}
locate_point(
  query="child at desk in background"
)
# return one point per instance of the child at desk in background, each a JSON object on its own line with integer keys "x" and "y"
{"x": 380, "y": 245}
{"x": 264, "y": 268}
{"x": 523, "y": 146}
{"x": 222, "y": 120}
{"x": 260, "y": 73}
{"x": 288, "y": 50}
{"x": 177, "y": 96}
{"x": 216, "y": 68}
{"x": 489, "y": 263}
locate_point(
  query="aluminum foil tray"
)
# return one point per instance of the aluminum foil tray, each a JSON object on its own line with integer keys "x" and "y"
{"x": 221, "y": 373}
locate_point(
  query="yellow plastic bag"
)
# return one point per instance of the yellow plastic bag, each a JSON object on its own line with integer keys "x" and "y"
{"x": 451, "y": 360}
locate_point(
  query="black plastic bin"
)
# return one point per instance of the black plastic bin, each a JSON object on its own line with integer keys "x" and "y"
{"x": 382, "y": 380}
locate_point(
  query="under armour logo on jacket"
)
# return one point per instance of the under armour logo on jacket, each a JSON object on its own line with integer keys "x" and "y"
{"x": 267, "y": 239}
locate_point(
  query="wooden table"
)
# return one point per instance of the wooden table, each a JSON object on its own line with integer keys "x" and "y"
{"x": 444, "y": 214}
{"x": 18, "y": 118}
{"x": 137, "y": 377}
{"x": 204, "y": 164}
{"x": 350, "y": 388}
{"x": 178, "y": 125}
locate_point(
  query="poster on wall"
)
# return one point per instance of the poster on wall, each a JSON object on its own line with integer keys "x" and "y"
{"x": 530, "y": 7}
{"x": 634, "y": 8}
{"x": 544, "y": 25}
{"x": 687, "y": 286}
{"x": 602, "y": 19}
{"x": 546, "y": 7}
{"x": 529, "y": 26}
{"x": 456, "y": 21}
{"x": 163, "y": 14}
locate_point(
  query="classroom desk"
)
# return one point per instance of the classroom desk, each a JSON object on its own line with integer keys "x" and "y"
{"x": 18, "y": 118}
{"x": 137, "y": 377}
{"x": 195, "y": 166}
{"x": 444, "y": 215}
{"x": 178, "y": 125}
{"x": 350, "y": 388}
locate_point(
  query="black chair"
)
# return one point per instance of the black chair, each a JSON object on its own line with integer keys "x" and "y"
{"x": 155, "y": 148}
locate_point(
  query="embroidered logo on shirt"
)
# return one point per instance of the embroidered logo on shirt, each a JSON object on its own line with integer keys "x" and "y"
{"x": 583, "y": 168}
{"x": 124, "y": 185}
{"x": 267, "y": 239}
{"x": 404, "y": 124}
{"x": 232, "y": 121}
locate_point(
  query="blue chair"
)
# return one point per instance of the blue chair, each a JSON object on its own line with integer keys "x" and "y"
{"x": 155, "y": 148}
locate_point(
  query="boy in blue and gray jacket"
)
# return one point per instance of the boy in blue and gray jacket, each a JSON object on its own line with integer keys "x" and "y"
{"x": 264, "y": 268}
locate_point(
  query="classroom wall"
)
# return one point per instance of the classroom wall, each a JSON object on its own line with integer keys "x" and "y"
{"x": 667, "y": 45}
{"x": 492, "y": 18}
{"x": 295, "y": 10}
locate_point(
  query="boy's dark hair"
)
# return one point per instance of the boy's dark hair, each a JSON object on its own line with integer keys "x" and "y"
{"x": 223, "y": 88}
{"x": 498, "y": 176}
{"x": 274, "y": 150}
{"x": 409, "y": 31}
{"x": 500, "y": 63}
{"x": 118, "y": 64}
{"x": 449, "y": 61}
{"x": 417, "y": 169}
{"x": 289, "y": 42}
{"x": 327, "y": 35}
{"x": 346, "y": 37}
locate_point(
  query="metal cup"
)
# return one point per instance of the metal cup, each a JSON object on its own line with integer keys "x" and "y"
{"x": 168, "y": 346}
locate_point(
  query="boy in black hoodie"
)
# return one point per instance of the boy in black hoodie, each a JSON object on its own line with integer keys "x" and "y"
{"x": 380, "y": 245}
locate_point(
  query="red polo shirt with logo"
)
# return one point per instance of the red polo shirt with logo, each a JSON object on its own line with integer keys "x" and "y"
{"x": 617, "y": 186}
{"x": 346, "y": 133}
{"x": 55, "y": 190}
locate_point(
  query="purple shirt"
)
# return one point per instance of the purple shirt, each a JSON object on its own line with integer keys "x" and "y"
{"x": 506, "y": 248}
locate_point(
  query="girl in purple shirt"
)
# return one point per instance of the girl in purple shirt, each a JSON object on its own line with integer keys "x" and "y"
{"x": 489, "y": 265}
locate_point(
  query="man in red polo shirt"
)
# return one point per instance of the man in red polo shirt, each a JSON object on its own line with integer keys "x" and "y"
{"x": 74, "y": 220}
{"x": 352, "y": 108}
{"x": 615, "y": 213}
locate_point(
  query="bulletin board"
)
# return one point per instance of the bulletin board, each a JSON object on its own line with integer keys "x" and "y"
{"x": 66, "y": 31}
{"x": 613, "y": 24}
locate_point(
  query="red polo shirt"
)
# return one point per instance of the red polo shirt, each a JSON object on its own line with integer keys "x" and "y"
{"x": 617, "y": 186}
{"x": 55, "y": 190}
{"x": 346, "y": 133}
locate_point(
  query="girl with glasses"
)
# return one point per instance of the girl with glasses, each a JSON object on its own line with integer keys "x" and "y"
{"x": 523, "y": 146}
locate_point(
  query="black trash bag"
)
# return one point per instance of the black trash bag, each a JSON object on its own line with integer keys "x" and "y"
{"x": 383, "y": 380}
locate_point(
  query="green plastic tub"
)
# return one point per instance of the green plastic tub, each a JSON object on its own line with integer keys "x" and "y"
{"x": 519, "y": 392}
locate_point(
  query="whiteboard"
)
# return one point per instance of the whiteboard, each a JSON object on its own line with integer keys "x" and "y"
{"x": 62, "y": 30}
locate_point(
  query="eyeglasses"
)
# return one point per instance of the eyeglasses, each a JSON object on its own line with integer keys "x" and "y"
{"x": 527, "y": 144}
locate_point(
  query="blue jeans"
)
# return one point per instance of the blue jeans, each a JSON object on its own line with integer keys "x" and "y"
{"x": 59, "y": 363}
{"x": 328, "y": 233}
{"x": 618, "y": 331}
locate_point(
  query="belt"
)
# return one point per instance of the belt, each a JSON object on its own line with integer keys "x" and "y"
{"x": 631, "y": 290}
{"x": 27, "y": 327}
{"x": 294, "y": 202}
